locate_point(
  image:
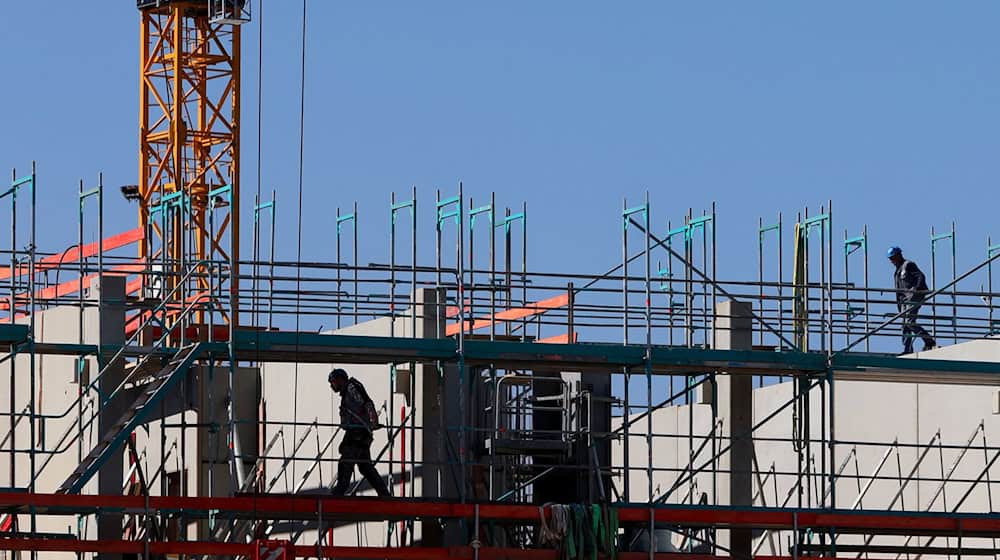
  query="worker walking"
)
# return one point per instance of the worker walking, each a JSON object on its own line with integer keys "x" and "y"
{"x": 911, "y": 289}
{"x": 358, "y": 419}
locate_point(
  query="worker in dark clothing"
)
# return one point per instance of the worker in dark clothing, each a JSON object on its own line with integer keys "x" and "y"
{"x": 911, "y": 289}
{"x": 358, "y": 419}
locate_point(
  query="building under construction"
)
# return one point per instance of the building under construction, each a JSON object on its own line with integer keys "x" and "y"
{"x": 160, "y": 397}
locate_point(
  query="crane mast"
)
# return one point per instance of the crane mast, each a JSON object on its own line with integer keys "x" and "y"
{"x": 189, "y": 138}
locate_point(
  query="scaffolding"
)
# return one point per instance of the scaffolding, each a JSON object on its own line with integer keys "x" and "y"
{"x": 613, "y": 390}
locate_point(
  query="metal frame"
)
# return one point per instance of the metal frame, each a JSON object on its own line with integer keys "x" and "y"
{"x": 188, "y": 134}
{"x": 817, "y": 477}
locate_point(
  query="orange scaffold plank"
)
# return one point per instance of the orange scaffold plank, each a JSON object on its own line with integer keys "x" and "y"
{"x": 73, "y": 286}
{"x": 559, "y": 339}
{"x": 511, "y": 314}
{"x": 74, "y": 254}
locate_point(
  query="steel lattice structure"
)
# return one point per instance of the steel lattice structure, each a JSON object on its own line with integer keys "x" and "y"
{"x": 189, "y": 188}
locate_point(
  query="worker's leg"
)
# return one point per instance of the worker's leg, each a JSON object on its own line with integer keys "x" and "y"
{"x": 368, "y": 470}
{"x": 907, "y": 337}
{"x": 345, "y": 469}
{"x": 916, "y": 330}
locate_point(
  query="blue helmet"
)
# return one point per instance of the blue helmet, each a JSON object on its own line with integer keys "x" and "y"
{"x": 893, "y": 251}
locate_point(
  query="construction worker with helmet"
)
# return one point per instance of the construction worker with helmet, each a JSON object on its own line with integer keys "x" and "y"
{"x": 358, "y": 420}
{"x": 911, "y": 290}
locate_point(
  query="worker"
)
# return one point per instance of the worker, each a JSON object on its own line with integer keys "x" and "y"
{"x": 911, "y": 289}
{"x": 358, "y": 419}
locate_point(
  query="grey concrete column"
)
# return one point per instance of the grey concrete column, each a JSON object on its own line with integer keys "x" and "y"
{"x": 109, "y": 321}
{"x": 733, "y": 325}
{"x": 215, "y": 458}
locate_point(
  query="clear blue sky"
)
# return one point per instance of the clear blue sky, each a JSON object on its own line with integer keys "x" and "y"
{"x": 889, "y": 108}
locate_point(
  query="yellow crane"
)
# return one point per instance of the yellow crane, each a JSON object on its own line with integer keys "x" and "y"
{"x": 189, "y": 140}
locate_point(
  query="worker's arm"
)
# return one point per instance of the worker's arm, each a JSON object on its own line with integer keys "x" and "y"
{"x": 913, "y": 278}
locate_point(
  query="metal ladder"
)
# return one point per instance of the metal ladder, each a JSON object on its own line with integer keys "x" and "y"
{"x": 152, "y": 394}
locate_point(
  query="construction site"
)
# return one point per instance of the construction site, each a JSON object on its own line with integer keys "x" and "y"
{"x": 161, "y": 398}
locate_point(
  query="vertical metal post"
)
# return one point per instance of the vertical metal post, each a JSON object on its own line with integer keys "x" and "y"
{"x": 454, "y": 208}
{"x": 395, "y": 209}
{"x": 508, "y": 277}
{"x": 935, "y": 238}
{"x": 524, "y": 264}
{"x": 31, "y": 353}
{"x": 760, "y": 273}
{"x": 437, "y": 258}
{"x": 781, "y": 303}
{"x": 954, "y": 288}
{"x": 989, "y": 286}
{"x": 627, "y": 214}
{"x": 570, "y": 319}
{"x": 829, "y": 276}
{"x": 472, "y": 266}
{"x": 12, "y": 310}
{"x": 166, "y": 226}
{"x": 340, "y": 289}
{"x": 848, "y": 313}
{"x": 392, "y": 333}
{"x": 627, "y": 410}
{"x": 648, "y": 272}
{"x": 270, "y": 279}
{"x": 825, "y": 320}
{"x": 715, "y": 411}
{"x": 762, "y": 232}
{"x": 493, "y": 266}
{"x": 649, "y": 357}
{"x": 258, "y": 208}
{"x": 714, "y": 279}
{"x": 991, "y": 250}
{"x": 100, "y": 235}
{"x": 473, "y": 214}
{"x": 413, "y": 333}
{"x": 255, "y": 268}
{"x": 462, "y": 389}
{"x": 933, "y": 282}
{"x": 688, "y": 284}
{"x": 81, "y": 261}
{"x": 670, "y": 294}
{"x": 356, "y": 298}
{"x": 357, "y": 295}
{"x": 805, "y": 279}
{"x": 851, "y": 246}
{"x": 100, "y": 258}
{"x": 868, "y": 315}
{"x": 183, "y": 234}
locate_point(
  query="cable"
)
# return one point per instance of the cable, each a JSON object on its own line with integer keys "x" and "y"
{"x": 260, "y": 103}
{"x": 298, "y": 250}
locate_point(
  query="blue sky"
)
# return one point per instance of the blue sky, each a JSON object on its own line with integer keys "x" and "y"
{"x": 889, "y": 108}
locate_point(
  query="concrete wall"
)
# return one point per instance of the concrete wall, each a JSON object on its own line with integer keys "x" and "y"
{"x": 300, "y": 393}
{"x": 868, "y": 416}
{"x": 60, "y": 450}
{"x": 198, "y": 458}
